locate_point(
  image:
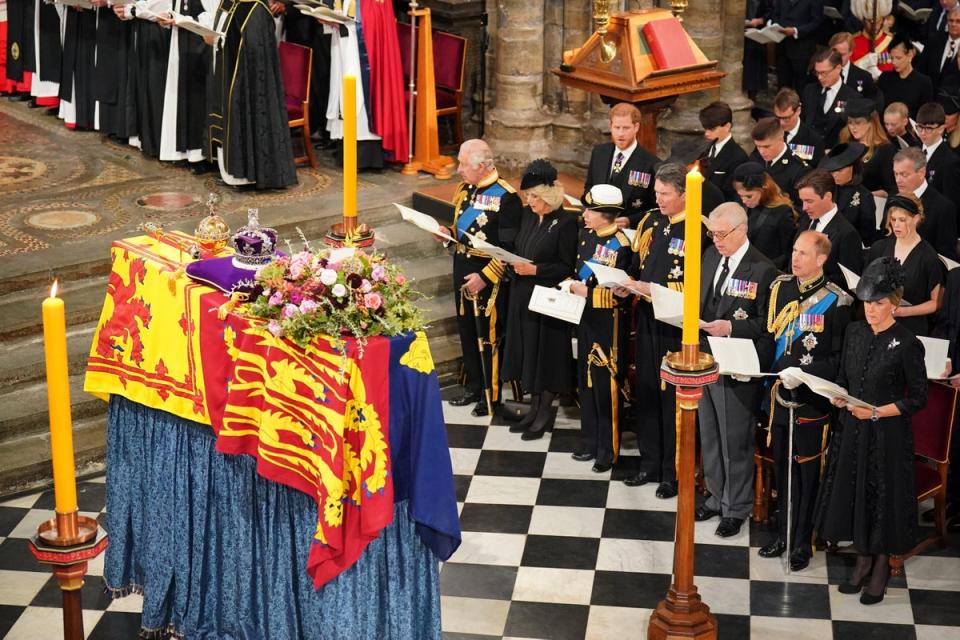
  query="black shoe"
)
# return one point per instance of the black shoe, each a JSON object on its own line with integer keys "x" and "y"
{"x": 602, "y": 467}
{"x": 582, "y": 456}
{"x": 800, "y": 559}
{"x": 200, "y": 168}
{"x": 642, "y": 478}
{"x": 481, "y": 409}
{"x": 869, "y": 598}
{"x": 467, "y": 397}
{"x": 703, "y": 512}
{"x": 540, "y": 426}
{"x": 667, "y": 490}
{"x": 773, "y": 550}
{"x": 729, "y": 527}
{"x": 852, "y": 587}
{"x": 527, "y": 419}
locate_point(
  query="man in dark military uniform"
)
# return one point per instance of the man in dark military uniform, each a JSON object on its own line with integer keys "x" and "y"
{"x": 807, "y": 317}
{"x": 659, "y": 248}
{"x": 778, "y": 160}
{"x": 805, "y": 143}
{"x": 599, "y": 331}
{"x": 488, "y": 208}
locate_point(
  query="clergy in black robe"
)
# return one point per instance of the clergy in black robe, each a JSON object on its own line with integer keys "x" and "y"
{"x": 148, "y": 73}
{"x": 78, "y": 68}
{"x": 20, "y": 39}
{"x": 111, "y": 80}
{"x": 248, "y": 130}
{"x": 867, "y": 494}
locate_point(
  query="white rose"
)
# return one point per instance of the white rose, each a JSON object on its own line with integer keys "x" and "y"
{"x": 328, "y": 276}
{"x": 480, "y": 235}
{"x": 339, "y": 290}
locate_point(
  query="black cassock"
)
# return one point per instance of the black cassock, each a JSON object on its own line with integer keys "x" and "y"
{"x": 112, "y": 77}
{"x": 248, "y": 115}
{"x": 867, "y": 493}
{"x": 20, "y": 39}
{"x": 77, "y": 68}
{"x": 194, "y": 72}
{"x": 537, "y": 349}
{"x": 148, "y": 75}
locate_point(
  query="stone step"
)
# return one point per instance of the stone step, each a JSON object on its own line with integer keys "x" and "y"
{"x": 23, "y": 409}
{"x": 431, "y": 276}
{"x": 315, "y": 227}
{"x": 446, "y": 353}
{"x": 440, "y": 315}
{"x": 25, "y": 461}
{"x": 22, "y": 362}
{"x": 402, "y": 241}
{"x": 20, "y": 310}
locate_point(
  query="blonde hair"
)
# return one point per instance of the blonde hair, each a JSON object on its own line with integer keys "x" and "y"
{"x": 912, "y": 197}
{"x": 550, "y": 194}
{"x": 876, "y": 136}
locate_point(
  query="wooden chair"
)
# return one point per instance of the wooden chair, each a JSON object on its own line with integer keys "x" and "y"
{"x": 450, "y": 60}
{"x": 932, "y": 428}
{"x": 296, "y": 65}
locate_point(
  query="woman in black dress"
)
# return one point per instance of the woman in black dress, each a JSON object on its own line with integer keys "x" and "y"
{"x": 903, "y": 84}
{"x": 867, "y": 494}
{"x": 864, "y": 126}
{"x": 921, "y": 264}
{"x": 771, "y": 218}
{"x": 853, "y": 200}
{"x": 537, "y": 347}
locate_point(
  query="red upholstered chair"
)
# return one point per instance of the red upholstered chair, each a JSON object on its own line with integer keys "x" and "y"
{"x": 932, "y": 429}
{"x": 762, "y": 477}
{"x": 449, "y": 62}
{"x": 296, "y": 64}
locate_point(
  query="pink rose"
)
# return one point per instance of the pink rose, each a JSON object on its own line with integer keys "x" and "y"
{"x": 378, "y": 273}
{"x": 274, "y": 327}
{"x": 372, "y": 301}
{"x": 290, "y": 310}
{"x": 365, "y": 286}
{"x": 276, "y": 298}
{"x": 400, "y": 278}
{"x": 308, "y": 306}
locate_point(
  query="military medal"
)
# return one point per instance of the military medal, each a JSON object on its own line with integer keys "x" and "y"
{"x": 677, "y": 272}
{"x": 482, "y": 219}
{"x": 893, "y": 344}
{"x": 740, "y": 314}
{"x": 811, "y": 322}
{"x": 676, "y": 247}
{"x": 805, "y": 359}
{"x": 809, "y": 341}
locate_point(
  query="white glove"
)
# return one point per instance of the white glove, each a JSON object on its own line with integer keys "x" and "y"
{"x": 789, "y": 379}
{"x": 565, "y": 285}
{"x": 741, "y": 378}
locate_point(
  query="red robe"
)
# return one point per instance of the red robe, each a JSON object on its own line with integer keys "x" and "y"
{"x": 386, "y": 78}
{"x": 861, "y": 47}
{"x": 6, "y": 85}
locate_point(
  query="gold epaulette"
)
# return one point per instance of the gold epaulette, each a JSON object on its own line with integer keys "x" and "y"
{"x": 622, "y": 237}
{"x": 786, "y": 277}
{"x": 844, "y": 299}
{"x": 506, "y": 185}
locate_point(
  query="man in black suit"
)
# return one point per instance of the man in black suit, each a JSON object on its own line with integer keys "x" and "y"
{"x": 724, "y": 155}
{"x": 800, "y": 20}
{"x": 943, "y": 166}
{"x": 939, "y": 57}
{"x": 734, "y": 290}
{"x": 853, "y": 76}
{"x": 771, "y": 151}
{"x": 937, "y": 22}
{"x": 939, "y": 226}
{"x": 824, "y": 101}
{"x": 817, "y": 191}
{"x": 805, "y": 143}
{"x": 624, "y": 164}
{"x": 690, "y": 151}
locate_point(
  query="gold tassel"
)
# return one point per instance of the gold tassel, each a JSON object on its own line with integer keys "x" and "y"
{"x": 172, "y": 277}
{"x": 227, "y": 307}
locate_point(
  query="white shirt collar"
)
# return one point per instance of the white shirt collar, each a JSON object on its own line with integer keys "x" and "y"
{"x": 733, "y": 261}
{"x": 626, "y": 152}
{"x": 845, "y": 72}
{"x": 718, "y": 145}
{"x": 921, "y": 189}
{"x": 779, "y": 155}
{"x": 825, "y": 219}
{"x": 794, "y": 131}
{"x": 929, "y": 150}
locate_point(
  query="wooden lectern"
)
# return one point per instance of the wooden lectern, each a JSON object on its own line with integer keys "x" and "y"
{"x": 632, "y": 75}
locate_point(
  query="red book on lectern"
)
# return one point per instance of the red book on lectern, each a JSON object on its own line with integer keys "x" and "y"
{"x": 668, "y": 43}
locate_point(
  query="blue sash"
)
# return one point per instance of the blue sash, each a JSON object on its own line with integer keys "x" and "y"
{"x": 821, "y": 308}
{"x": 613, "y": 245}
{"x": 471, "y": 213}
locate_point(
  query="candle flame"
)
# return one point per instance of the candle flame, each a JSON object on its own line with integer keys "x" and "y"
{"x": 53, "y": 288}
{"x": 696, "y": 167}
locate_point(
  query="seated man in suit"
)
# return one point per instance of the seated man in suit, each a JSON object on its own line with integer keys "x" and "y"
{"x": 734, "y": 289}
{"x": 781, "y": 164}
{"x": 850, "y": 74}
{"x": 624, "y": 164}
{"x": 724, "y": 154}
{"x": 805, "y": 143}
{"x": 824, "y": 100}
{"x": 817, "y": 192}
{"x": 938, "y": 60}
{"x": 943, "y": 166}
{"x": 939, "y": 226}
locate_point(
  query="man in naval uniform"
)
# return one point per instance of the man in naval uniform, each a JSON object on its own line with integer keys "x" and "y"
{"x": 488, "y": 208}
{"x": 779, "y": 161}
{"x": 599, "y": 334}
{"x": 806, "y": 319}
{"x": 658, "y": 259}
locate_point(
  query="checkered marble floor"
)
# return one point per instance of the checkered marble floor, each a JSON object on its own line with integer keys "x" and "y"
{"x": 553, "y": 551}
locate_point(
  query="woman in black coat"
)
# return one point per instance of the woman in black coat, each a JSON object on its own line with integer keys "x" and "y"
{"x": 854, "y": 201}
{"x": 771, "y": 219}
{"x": 537, "y": 347}
{"x": 867, "y": 494}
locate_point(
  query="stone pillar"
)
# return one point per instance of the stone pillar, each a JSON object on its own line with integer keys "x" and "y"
{"x": 571, "y": 134}
{"x": 724, "y": 45}
{"x": 517, "y": 128}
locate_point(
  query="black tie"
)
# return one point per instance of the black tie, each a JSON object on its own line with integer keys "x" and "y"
{"x": 822, "y": 102}
{"x": 813, "y": 225}
{"x": 718, "y": 288}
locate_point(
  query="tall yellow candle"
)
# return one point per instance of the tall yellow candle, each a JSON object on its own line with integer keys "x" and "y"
{"x": 349, "y": 149}
{"x": 58, "y": 402}
{"x": 691, "y": 259}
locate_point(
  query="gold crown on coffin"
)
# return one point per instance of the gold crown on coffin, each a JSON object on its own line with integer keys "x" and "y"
{"x": 213, "y": 231}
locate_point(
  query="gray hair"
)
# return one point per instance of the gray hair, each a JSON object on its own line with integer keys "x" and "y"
{"x": 731, "y": 212}
{"x": 673, "y": 174}
{"x": 478, "y": 153}
{"x": 914, "y": 155}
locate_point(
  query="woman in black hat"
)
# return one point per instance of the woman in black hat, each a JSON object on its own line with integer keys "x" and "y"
{"x": 771, "y": 218}
{"x": 864, "y": 126}
{"x": 853, "y": 200}
{"x": 867, "y": 494}
{"x": 536, "y": 346}
{"x": 904, "y": 84}
{"x": 921, "y": 264}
